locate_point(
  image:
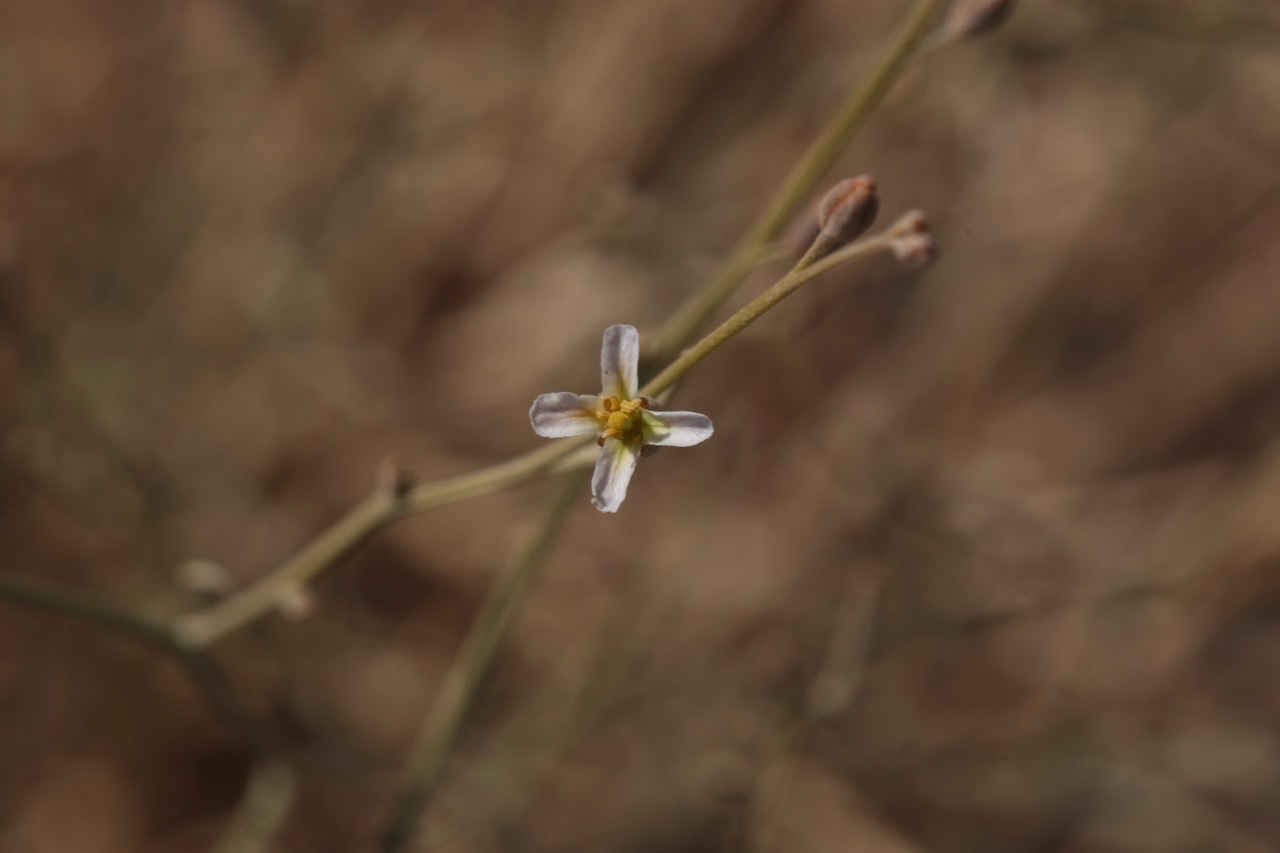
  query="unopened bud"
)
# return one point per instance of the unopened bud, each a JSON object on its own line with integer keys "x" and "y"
{"x": 968, "y": 18}
{"x": 911, "y": 242}
{"x": 393, "y": 479}
{"x": 848, "y": 210}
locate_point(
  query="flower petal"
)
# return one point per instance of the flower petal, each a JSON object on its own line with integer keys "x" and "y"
{"x": 619, "y": 362}
{"x": 563, "y": 414}
{"x": 613, "y": 473}
{"x": 676, "y": 429}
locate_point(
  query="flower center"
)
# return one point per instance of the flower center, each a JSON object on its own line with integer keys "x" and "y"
{"x": 620, "y": 419}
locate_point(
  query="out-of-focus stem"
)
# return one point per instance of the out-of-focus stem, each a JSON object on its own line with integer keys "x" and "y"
{"x": 200, "y": 669}
{"x": 43, "y": 595}
{"x": 799, "y": 185}
{"x": 462, "y": 685}
{"x": 207, "y": 626}
{"x": 268, "y": 797}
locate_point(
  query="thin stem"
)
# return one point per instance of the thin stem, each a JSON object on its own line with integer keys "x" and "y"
{"x": 199, "y": 668}
{"x": 462, "y": 686}
{"x": 800, "y": 184}
{"x": 205, "y": 627}
{"x": 269, "y": 794}
{"x": 752, "y": 311}
{"x": 43, "y": 595}
{"x": 491, "y": 479}
{"x": 204, "y": 672}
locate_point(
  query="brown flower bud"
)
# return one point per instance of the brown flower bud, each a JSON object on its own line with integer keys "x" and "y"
{"x": 911, "y": 242}
{"x": 848, "y": 210}
{"x": 968, "y": 18}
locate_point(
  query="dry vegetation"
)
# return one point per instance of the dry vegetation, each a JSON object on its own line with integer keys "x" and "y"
{"x": 985, "y": 558}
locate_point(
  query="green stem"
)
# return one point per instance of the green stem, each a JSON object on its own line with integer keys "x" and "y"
{"x": 752, "y": 311}
{"x": 269, "y": 795}
{"x": 462, "y": 685}
{"x": 52, "y": 598}
{"x": 199, "y": 668}
{"x": 205, "y": 627}
{"x": 800, "y": 184}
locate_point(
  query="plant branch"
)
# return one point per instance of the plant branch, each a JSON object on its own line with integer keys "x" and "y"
{"x": 199, "y": 668}
{"x": 42, "y": 595}
{"x": 205, "y": 627}
{"x": 268, "y": 797}
{"x": 799, "y": 185}
{"x": 752, "y": 311}
{"x": 462, "y": 685}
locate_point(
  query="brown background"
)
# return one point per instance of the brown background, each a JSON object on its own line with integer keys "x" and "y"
{"x": 1012, "y": 525}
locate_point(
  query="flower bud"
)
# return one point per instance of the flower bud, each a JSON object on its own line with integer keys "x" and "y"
{"x": 847, "y": 210}
{"x": 968, "y": 18}
{"x": 911, "y": 242}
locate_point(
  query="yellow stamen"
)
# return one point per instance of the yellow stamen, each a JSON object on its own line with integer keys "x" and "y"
{"x": 620, "y": 419}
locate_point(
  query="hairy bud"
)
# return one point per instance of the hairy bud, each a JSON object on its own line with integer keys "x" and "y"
{"x": 911, "y": 242}
{"x": 844, "y": 214}
{"x": 848, "y": 209}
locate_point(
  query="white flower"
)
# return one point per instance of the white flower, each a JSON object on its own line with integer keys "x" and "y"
{"x": 622, "y": 422}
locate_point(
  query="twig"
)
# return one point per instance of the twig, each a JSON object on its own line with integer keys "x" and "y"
{"x": 799, "y": 185}
{"x": 269, "y": 794}
{"x": 205, "y": 627}
{"x": 752, "y": 311}
{"x": 43, "y": 595}
{"x": 200, "y": 669}
{"x": 443, "y": 724}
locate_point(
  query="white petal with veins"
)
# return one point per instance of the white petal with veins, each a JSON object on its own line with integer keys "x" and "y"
{"x": 676, "y": 429}
{"x": 619, "y": 362}
{"x": 613, "y": 474}
{"x": 564, "y": 414}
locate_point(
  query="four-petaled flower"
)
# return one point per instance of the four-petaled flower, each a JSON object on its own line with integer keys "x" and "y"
{"x": 622, "y": 422}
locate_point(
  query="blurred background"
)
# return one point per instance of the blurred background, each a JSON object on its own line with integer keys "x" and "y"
{"x": 984, "y": 558}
